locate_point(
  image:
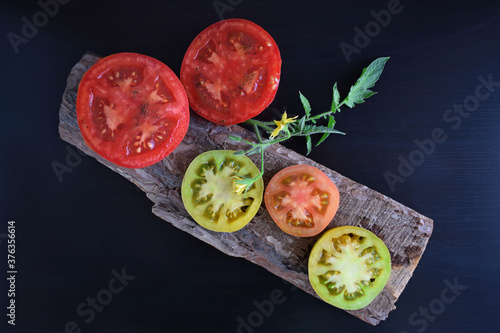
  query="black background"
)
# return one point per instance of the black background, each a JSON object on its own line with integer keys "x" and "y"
{"x": 71, "y": 234}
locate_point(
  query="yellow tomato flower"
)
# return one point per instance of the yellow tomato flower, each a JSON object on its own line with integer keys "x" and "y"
{"x": 240, "y": 185}
{"x": 281, "y": 124}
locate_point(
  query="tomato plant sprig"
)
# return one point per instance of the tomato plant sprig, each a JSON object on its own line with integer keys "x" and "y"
{"x": 286, "y": 128}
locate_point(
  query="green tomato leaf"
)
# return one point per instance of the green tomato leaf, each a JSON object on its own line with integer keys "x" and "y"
{"x": 313, "y": 129}
{"x": 305, "y": 104}
{"x": 302, "y": 124}
{"x": 361, "y": 89}
{"x": 331, "y": 124}
{"x": 240, "y": 153}
{"x": 252, "y": 151}
{"x": 335, "y": 99}
{"x": 309, "y": 144}
{"x": 235, "y": 138}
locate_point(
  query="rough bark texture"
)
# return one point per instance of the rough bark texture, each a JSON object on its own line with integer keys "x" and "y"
{"x": 405, "y": 231}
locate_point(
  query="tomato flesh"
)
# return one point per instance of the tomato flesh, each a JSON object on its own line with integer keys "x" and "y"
{"x": 132, "y": 109}
{"x": 348, "y": 267}
{"x": 301, "y": 200}
{"x": 231, "y": 71}
{"x": 209, "y": 195}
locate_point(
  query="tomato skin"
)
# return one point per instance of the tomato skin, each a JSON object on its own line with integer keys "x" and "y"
{"x": 231, "y": 71}
{"x": 208, "y": 183}
{"x": 132, "y": 109}
{"x": 348, "y": 267}
{"x": 302, "y": 200}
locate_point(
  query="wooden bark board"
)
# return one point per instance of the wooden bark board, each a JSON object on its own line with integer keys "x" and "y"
{"x": 404, "y": 231}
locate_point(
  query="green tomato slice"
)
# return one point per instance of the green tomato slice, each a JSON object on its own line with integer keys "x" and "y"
{"x": 348, "y": 267}
{"x": 209, "y": 193}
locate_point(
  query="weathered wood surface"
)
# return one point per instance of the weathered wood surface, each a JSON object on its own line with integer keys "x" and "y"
{"x": 405, "y": 231}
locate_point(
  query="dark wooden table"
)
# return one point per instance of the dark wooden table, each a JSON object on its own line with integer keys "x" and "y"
{"x": 90, "y": 255}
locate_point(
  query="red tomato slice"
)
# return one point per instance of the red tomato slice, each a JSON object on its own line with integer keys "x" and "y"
{"x": 301, "y": 200}
{"x": 132, "y": 109}
{"x": 231, "y": 71}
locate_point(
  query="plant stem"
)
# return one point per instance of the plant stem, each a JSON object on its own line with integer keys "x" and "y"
{"x": 261, "y": 164}
{"x": 257, "y": 132}
{"x": 264, "y": 124}
{"x": 326, "y": 114}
